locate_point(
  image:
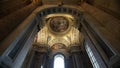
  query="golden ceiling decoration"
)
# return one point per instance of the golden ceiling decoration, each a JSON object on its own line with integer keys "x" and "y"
{"x": 59, "y": 29}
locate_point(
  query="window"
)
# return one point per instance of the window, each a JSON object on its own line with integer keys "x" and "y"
{"x": 92, "y": 57}
{"x": 59, "y": 61}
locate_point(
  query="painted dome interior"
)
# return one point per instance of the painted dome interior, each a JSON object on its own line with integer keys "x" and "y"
{"x": 59, "y": 24}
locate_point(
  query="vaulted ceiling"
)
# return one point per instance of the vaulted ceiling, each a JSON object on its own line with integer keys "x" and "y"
{"x": 13, "y": 12}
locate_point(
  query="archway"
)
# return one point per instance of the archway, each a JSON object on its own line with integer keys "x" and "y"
{"x": 59, "y": 61}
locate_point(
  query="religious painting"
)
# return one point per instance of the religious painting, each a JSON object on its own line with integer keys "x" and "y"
{"x": 59, "y": 24}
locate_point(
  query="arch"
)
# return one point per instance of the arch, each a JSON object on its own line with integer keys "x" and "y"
{"x": 59, "y": 61}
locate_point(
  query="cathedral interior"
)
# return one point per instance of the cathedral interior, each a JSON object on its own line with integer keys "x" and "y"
{"x": 59, "y": 33}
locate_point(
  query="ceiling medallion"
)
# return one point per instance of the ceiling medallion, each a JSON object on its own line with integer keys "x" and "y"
{"x": 59, "y": 24}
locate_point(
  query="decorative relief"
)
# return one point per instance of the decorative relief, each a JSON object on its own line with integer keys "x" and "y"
{"x": 74, "y": 35}
{"x": 42, "y": 35}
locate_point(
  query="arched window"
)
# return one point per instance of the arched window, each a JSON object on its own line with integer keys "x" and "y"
{"x": 59, "y": 61}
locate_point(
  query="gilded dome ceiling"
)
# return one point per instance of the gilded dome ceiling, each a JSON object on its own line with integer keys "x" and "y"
{"x": 59, "y": 29}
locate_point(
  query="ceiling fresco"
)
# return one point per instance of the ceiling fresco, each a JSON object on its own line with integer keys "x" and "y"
{"x": 59, "y": 24}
